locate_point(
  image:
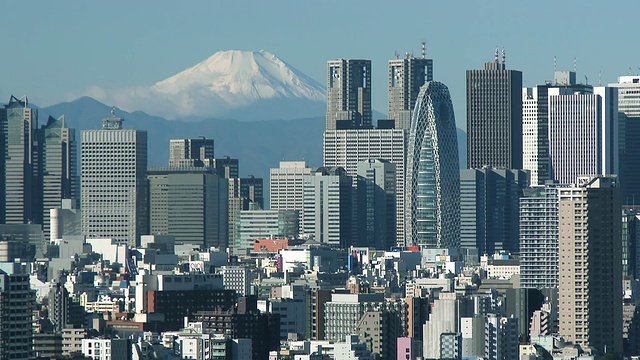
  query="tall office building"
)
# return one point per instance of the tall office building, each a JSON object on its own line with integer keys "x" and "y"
{"x": 583, "y": 133}
{"x": 191, "y": 152}
{"x": 347, "y": 148}
{"x": 349, "y": 94}
{"x": 244, "y": 194}
{"x": 535, "y": 138}
{"x": 489, "y": 209}
{"x": 376, "y": 202}
{"x": 494, "y": 117}
{"x": 327, "y": 206}
{"x": 113, "y": 189}
{"x": 59, "y": 167}
{"x": 20, "y": 200}
{"x": 590, "y": 266}
{"x": 406, "y": 77}
{"x": 227, "y": 168}
{"x": 433, "y": 177}
{"x": 539, "y": 237}
{"x": 17, "y": 302}
{"x": 629, "y": 133}
{"x": 189, "y": 203}
{"x": 264, "y": 224}
{"x": 286, "y": 186}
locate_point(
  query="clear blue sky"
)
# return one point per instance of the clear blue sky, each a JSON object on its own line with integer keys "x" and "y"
{"x": 55, "y": 50}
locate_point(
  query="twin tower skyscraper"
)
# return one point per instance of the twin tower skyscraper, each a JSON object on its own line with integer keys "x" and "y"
{"x": 419, "y": 138}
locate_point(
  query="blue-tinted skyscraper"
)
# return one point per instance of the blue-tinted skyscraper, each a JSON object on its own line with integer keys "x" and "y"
{"x": 433, "y": 177}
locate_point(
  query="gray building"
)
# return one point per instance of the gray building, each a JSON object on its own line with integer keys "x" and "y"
{"x": 406, "y": 77}
{"x": 20, "y": 193}
{"x": 590, "y": 270}
{"x": 539, "y": 237}
{"x": 59, "y": 168}
{"x": 227, "y": 167}
{"x": 17, "y": 302}
{"x": 327, "y": 206}
{"x": 349, "y": 94}
{"x": 489, "y": 209}
{"x": 494, "y": 116}
{"x": 286, "y": 186}
{"x": 244, "y": 194}
{"x": 501, "y": 338}
{"x": 191, "y": 152}
{"x": 376, "y": 204}
{"x": 114, "y": 182}
{"x": 264, "y": 224}
{"x": 189, "y": 203}
{"x": 433, "y": 187}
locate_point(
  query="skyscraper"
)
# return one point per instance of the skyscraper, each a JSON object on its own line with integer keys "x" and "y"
{"x": 347, "y": 148}
{"x": 189, "y": 203}
{"x": 376, "y": 214}
{"x": 286, "y": 186}
{"x": 349, "y": 94}
{"x": 191, "y": 152}
{"x": 590, "y": 265}
{"x": 227, "y": 167}
{"x": 59, "y": 167}
{"x": 535, "y": 138}
{"x": 114, "y": 191}
{"x": 494, "y": 117}
{"x": 20, "y": 200}
{"x": 406, "y": 77}
{"x": 327, "y": 206}
{"x": 17, "y": 302}
{"x": 489, "y": 209}
{"x": 629, "y": 133}
{"x": 433, "y": 174}
{"x": 583, "y": 133}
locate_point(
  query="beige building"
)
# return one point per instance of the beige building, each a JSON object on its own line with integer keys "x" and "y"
{"x": 590, "y": 264}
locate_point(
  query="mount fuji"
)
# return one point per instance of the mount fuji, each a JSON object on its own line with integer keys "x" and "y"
{"x": 241, "y": 85}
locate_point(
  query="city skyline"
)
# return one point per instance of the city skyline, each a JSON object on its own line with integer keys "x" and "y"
{"x": 164, "y": 45}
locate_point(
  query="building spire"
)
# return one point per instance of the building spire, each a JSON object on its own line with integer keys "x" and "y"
{"x": 424, "y": 50}
{"x": 495, "y": 59}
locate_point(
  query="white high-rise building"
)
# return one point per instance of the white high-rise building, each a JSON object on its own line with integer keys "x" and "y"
{"x": 286, "y": 189}
{"x": 113, "y": 190}
{"x": 535, "y": 143}
{"x": 347, "y": 148}
{"x": 583, "y": 133}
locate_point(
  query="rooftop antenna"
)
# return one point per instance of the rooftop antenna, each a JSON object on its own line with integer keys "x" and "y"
{"x": 629, "y": 70}
{"x": 397, "y": 53}
{"x": 575, "y": 64}
{"x": 504, "y": 57}
{"x": 496, "y": 56}
{"x": 599, "y": 77}
{"x": 424, "y": 50}
{"x": 586, "y": 80}
{"x": 555, "y": 64}
{"x": 406, "y": 55}
{"x": 113, "y": 111}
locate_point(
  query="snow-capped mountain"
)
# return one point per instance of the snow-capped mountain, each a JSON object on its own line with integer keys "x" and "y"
{"x": 243, "y": 85}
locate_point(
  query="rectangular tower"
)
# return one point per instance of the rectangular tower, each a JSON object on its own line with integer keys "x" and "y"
{"x": 494, "y": 117}
{"x": 114, "y": 183}
{"x": 286, "y": 186}
{"x": 535, "y": 137}
{"x": 406, "y": 76}
{"x": 590, "y": 264}
{"x": 349, "y": 94}
{"x": 583, "y": 133}
{"x": 376, "y": 204}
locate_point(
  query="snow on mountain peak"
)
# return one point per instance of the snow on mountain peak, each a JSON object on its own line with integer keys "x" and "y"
{"x": 244, "y": 85}
{"x": 241, "y": 77}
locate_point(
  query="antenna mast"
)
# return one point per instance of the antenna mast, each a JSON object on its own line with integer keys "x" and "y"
{"x": 424, "y": 51}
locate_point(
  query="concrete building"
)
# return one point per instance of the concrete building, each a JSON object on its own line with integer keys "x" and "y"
{"x": 501, "y": 338}
{"x": 406, "y": 77}
{"x": 451, "y": 346}
{"x": 190, "y": 204}
{"x": 539, "y": 237}
{"x": 472, "y": 331}
{"x": 494, "y": 116}
{"x": 590, "y": 264}
{"x": 535, "y": 133}
{"x": 107, "y": 349}
{"x": 348, "y": 148}
{"x": 65, "y": 220}
{"x": 263, "y": 224}
{"x": 489, "y": 209}
{"x": 445, "y": 316}
{"x": 286, "y": 190}
{"x": 237, "y": 278}
{"x": 59, "y": 168}
{"x": 114, "y": 183}
{"x": 227, "y": 167}
{"x": 433, "y": 178}
{"x": 244, "y": 194}
{"x": 351, "y": 349}
{"x": 408, "y": 348}
{"x": 20, "y": 201}
{"x": 376, "y": 203}
{"x": 191, "y": 152}
{"x": 17, "y": 302}
{"x": 344, "y": 311}
{"x": 328, "y": 206}
{"x": 583, "y": 133}
{"x": 349, "y": 94}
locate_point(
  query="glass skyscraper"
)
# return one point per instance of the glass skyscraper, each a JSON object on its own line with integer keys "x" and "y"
{"x": 433, "y": 175}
